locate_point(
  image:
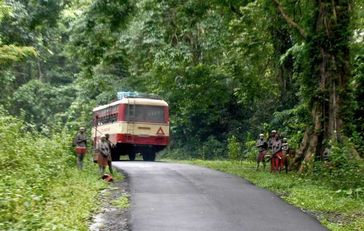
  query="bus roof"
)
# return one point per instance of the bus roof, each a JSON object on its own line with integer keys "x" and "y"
{"x": 137, "y": 101}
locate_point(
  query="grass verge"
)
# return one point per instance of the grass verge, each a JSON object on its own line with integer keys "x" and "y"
{"x": 40, "y": 186}
{"x": 122, "y": 202}
{"x": 72, "y": 200}
{"x": 337, "y": 211}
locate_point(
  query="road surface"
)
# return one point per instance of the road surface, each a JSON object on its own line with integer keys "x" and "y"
{"x": 176, "y": 197}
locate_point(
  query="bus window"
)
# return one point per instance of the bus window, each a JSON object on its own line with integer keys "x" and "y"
{"x": 145, "y": 113}
{"x": 107, "y": 119}
{"x": 114, "y": 118}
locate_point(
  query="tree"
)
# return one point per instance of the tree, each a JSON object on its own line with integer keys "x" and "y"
{"x": 12, "y": 53}
{"x": 33, "y": 38}
{"x": 327, "y": 75}
{"x": 358, "y": 77}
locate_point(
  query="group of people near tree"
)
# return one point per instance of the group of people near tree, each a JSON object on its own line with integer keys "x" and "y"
{"x": 102, "y": 152}
{"x": 275, "y": 148}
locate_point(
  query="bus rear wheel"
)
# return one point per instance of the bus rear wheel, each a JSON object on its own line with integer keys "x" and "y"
{"x": 152, "y": 156}
{"x": 132, "y": 156}
{"x": 149, "y": 156}
{"x": 115, "y": 152}
{"x": 145, "y": 156}
{"x": 115, "y": 157}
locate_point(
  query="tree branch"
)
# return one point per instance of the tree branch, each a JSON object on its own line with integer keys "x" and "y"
{"x": 289, "y": 20}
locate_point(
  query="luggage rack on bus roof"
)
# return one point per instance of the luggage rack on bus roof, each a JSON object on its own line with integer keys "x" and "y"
{"x": 134, "y": 94}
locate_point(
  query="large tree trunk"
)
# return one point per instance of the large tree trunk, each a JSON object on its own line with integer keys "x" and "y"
{"x": 329, "y": 71}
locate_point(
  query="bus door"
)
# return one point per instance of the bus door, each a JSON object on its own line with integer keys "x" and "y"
{"x": 130, "y": 120}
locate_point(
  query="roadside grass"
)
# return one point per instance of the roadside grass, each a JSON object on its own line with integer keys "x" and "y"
{"x": 122, "y": 202}
{"x": 337, "y": 211}
{"x": 40, "y": 186}
{"x": 118, "y": 175}
{"x": 72, "y": 200}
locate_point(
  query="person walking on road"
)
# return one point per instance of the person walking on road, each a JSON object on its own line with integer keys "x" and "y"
{"x": 111, "y": 148}
{"x": 80, "y": 142}
{"x": 103, "y": 154}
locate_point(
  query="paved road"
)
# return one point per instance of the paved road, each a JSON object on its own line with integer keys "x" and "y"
{"x": 174, "y": 197}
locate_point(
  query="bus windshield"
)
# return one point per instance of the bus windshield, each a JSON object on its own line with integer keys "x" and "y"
{"x": 145, "y": 113}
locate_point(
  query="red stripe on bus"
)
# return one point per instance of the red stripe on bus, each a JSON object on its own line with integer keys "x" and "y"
{"x": 134, "y": 139}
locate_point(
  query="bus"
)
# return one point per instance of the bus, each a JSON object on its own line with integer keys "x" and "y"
{"x": 137, "y": 124}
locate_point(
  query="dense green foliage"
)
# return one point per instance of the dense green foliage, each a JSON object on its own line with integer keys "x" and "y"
{"x": 37, "y": 73}
{"x": 39, "y": 185}
{"x": 228, "y": 69}
{"x": 225, "y": 67}
{"x": 340, "y": 210}
{"x": 234, "y": 149}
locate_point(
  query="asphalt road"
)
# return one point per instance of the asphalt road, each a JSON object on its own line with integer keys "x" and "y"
{"x": 174, "y": 197}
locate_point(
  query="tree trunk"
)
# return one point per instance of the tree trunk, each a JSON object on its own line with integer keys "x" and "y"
{"x": 329, "y": 71}
{"x": 282, "y": 41}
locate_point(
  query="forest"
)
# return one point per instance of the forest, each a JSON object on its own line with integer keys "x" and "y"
{"x": 229, "y": 70}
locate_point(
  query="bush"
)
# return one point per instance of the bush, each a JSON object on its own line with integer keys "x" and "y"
{"x": 250, "y": 151}
{"x": 212, "y": 149}
{"x": 175, "y": 154}
{"x": 341, "y": 169}
{"x": 36, "y": 172}
{"x": 234, "y": 149}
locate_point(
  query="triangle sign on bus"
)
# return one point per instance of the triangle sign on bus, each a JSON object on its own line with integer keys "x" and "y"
{"x": 160, "y": 131}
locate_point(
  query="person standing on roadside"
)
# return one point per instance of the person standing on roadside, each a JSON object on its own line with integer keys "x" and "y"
{"x": 80, "y": 142}
{"x": 111, "y": 148}
{"x": 277, "y": 153}
{"x": 285, "y": 146}
{"x": 262, "y": 148}
{"x": 271, "y": 138}
{"x": 270, "y": 142}
{"x": 103, "y": 154}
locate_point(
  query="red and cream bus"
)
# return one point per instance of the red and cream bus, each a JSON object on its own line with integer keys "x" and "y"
{"x": 136, "y": 124}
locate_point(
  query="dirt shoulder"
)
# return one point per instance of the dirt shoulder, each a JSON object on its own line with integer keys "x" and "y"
{"x": 113, "y": 215}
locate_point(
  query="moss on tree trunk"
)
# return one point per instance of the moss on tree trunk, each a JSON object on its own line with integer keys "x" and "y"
{"x": 327, "y": 75}
{"x": 329, "y": 68}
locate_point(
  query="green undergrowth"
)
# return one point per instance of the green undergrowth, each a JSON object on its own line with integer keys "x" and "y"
{"x": 72, "y": 200}
{"x": 122, "y": 202}
{"x": 336, "y": 210}
{"x": 40, "y": 187}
